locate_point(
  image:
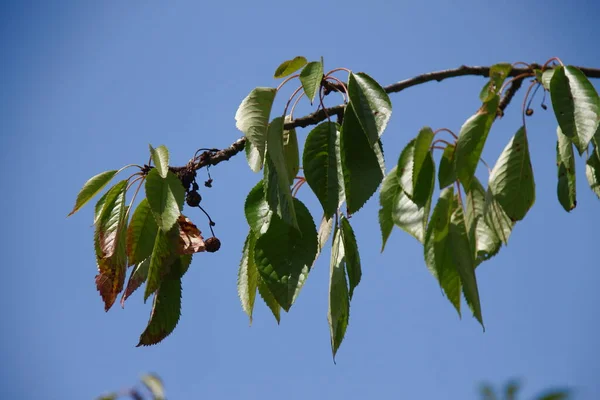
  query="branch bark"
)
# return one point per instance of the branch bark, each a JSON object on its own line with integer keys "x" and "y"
{"x": 213, "y": 158}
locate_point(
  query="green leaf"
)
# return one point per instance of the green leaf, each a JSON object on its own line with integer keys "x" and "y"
{"x": 154, "y": 385}
{"x": 471, "y": 141}
{"x": 498, "y": 74}
{"x": 565, "y": 162}
{"x": 371, "y": 104}
{"x": 284, "y": 255}
{"x": 592, "y": 172}
{"x": 546, "y": 78}
{"x": 311, "y": 77}
{"x": 253, "y": 156}
{"x": 109, "y": 239}
{"x": 511, "y": 180}
{"x": 165, "y": 197}
{"x": 160, "y": 157}
{"x": 91, "y": 188}
{"x": 163, "y": 256}
{"x": 484, "y": 241}
{"x": 323, "y": 234}
{"x": 247, "y": 282}
{"x": 464, "y": 262}
{"x": 446, "y": 173}
{"x": 339, "y": 303}
{"x": 289, "y": 67}
{"x": 166, "y": 310}
{"x": 555, "y": 394}
{"x": 258, "y": 213}
{"x": 423, "y": 171}
{"x": 438, "y": 248}
{"x": 495, "y": 217}
{"x": 252, "y": 118}
{"x": 352, "y": 256}
{"x": 141, "y": 233}
{"x": 321, "y": 166}
{"x": 269, "y": 299}
{"x": 576, "y": 105}
{"x": 291, "y": 153}
{"x": 137, "y": 277}
{"x": 360, "y": 163}
{"x": 99, "y": 207}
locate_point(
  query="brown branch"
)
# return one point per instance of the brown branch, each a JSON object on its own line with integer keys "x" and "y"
{"x": 213, "y": 158}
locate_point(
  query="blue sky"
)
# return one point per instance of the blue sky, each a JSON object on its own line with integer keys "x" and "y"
{"x": 87, "y": 85}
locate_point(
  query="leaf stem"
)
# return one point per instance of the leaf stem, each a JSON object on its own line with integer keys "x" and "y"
{"x": 287, "y": 80}
{"x": 290, "y": 99}
{"x": 520, "y": 76}
{"x": 141, "y": 179}
{"x": 524, "y": 107}
{"x": 547, "y": 63}
{"x": 295, "y": 104}
{"x": 346, "y": 95}
{"x": 445, "y": 130}
{"x": 337, "y": 70}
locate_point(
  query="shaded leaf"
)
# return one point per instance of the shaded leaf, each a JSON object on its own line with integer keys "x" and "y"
{"x": 291, "y": 153}
{"x": 555, "y": 394}
{"x": 154, "y": 385}
{"x": 370, "y": 103}
{"x": 446, "y": 173}
{"x": 352, "y": 256}
{"x": 471, "y": 140}
{"x": 565, "y": 163}
{"x": 252, "y": 118}
{"x": 160, "y": 157}
{"x": 339, "y": 303}
{"x": 269, "y": 299}
{"x": 483, "y": 239}
{"x": 438, "y": 249}
{"x": 163, "y": 256}
{"x": 137, "y": 277}
{"x": 247, "y": 282}
{"x": 165, "y": 197}
{"x": 463, "y": 260}
{"x": 288, "y": 67}
{"x": 91, "y": 188}
{"x": 423, "y": 171}
{"x": 311, "y": 77}
{"x": 360, "y": 163}
{"x": 284, "y": 255}
{"x": 258, "y": 213}
{"x": 498, "y": 74}
{"x": 592, "y": 172}
{"x": 496, "y": 218}
{"x": 141, "y": 233}
{"x": 190, "y": 238}
{"x": 321, "y": 166}
{"x": 511, "y": 180}
{"x": 166, "y": 310}
{"x": 576, "y": 105}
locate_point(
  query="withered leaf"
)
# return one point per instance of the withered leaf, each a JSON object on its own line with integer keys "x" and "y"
{"x": 190, "y": 238}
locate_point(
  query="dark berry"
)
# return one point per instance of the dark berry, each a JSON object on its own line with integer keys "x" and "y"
{"x": 212, "y": 244}
{"x": 193, "y": 199}
{"x": 529, "y": 112}
{"x": 545, "y": 107}
{"x": 208, "y": 183}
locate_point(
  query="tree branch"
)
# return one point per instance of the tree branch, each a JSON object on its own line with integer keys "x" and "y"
{"x": 213, "y": 158}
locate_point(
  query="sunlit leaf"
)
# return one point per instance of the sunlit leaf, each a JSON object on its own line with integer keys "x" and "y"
{"x": 323, "y": 234}
{"x": 546, "y": 78}
{"x": 284, "y": 255}
{"x": 109, "y": 224}
{"x": 438, "y": 248}
{"x": 154, "y": 385}
{"x": 360, "y": 163}
{"x": 291, "y": 153}
{"x": 511, "y": 180}
{"x": 141, "y": 233}
{"x": 565, "y": 162}
{"x": 423, "y": 171}
{"x": 269, "y": 299}
{"x": 91, "y": 188}
{"x": 495, "y": 217}
{"x": 166, "y": 310}
{"x": 99, "y": 207}
{"x": 471, "y": 141}
{"x": 165, "y": 197}
{"x": 576, "y": 105}
{"x": 252, "y": 118}
{"x": 446, "y": 173}
{"x": 370, "y": 103}
{"x": 592, "y": 172}
{"x": 160, "y": 157}
{"x": 352, "y": 256}
{"x": 247, "y": 282}
{"x": 483, "y": 239}
{"x": 320, "y": 165}
{"x": 258, "y": 213}
{"x": 463, "y": 260}
{"x": 498, "y": 74}
{"x": 137, "y": 277}
{"x": 311, "y": 77}
{"x": 253, "y": 156}
{"x": 339, "y": 303}
{"x": 288, "y": 67}
{"x": 163, "y": 256}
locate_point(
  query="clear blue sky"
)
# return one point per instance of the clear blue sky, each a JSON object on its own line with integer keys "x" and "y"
{"x": 87, "y": 85}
